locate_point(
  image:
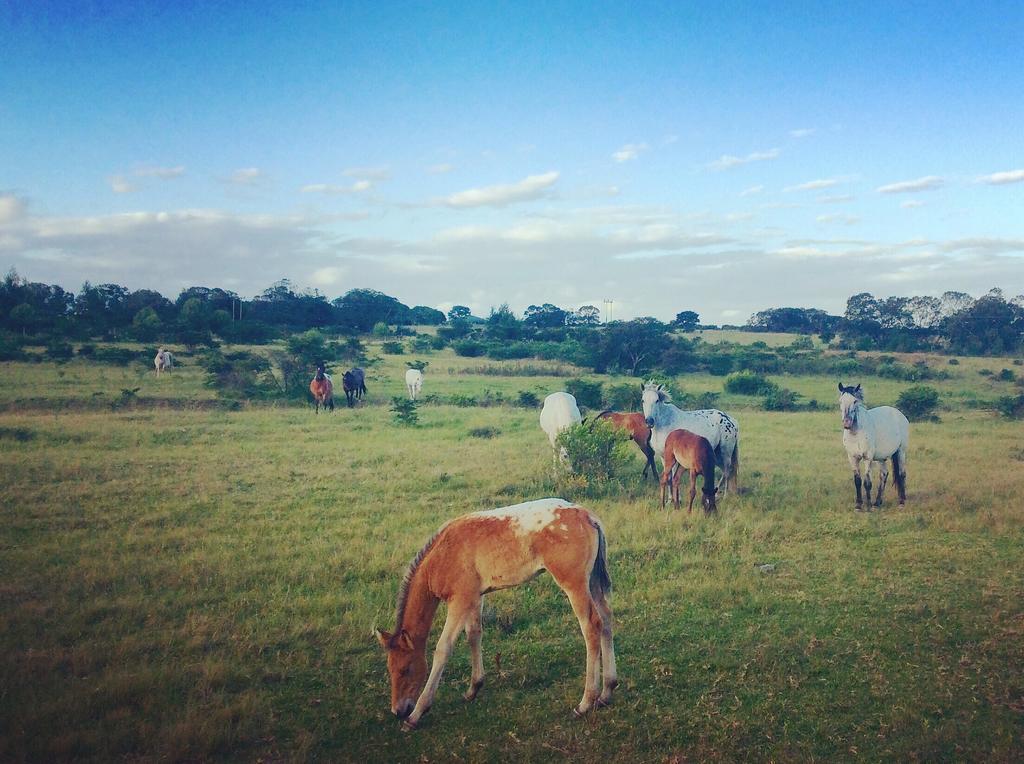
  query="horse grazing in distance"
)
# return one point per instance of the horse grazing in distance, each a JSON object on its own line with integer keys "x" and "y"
{"x": 638, "y": 430}
{"x": 694, "y": 453}
{"x": 558, "y": 413}
{"x": 497, "y": 549}
{"x": 414, "y": 382}
{"x": 163, "y": 361}
{"x": 353, "y": 382}
{"x": 872, "y": 436}
{"x": 719, "y": 428}
{"x": 322, "y": 389}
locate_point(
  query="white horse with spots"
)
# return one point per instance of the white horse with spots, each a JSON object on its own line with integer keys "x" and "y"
{"x": 872, "y": 436}
{"x": 163, "y": 361}
{"x": 717, "y": 427}
{"x": 559, "y": 413}
{"x": 414, "y": 382}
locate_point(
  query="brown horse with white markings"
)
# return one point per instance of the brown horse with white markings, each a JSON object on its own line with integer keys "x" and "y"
{"x": 639, "y": 432}
{"x": 686, "y": 451}
{"x": 483, "y": 552}
{"x": 322, "y": 389}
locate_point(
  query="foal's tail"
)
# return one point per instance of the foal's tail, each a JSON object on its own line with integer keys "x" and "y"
{"x": 734, "y": 472}
{"x": 600, "y": 580}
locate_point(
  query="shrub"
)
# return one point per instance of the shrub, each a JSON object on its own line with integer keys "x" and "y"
{"x": 10, "y": 347}
{"x": 86, "y": 350}
{"x": 484, "y": 432}
{"x": 380, "y": 329}
{"x": 239, "y": 375}
{"x": 918, "y": 403}
{"x": 462, "y": 401}
{"x": 421, "y": 344}
{"x": 954, "y": 362}
{"x": 595, "y": 452}
{"x": 1007, "y": 375}
{"x": 120, "y": 356}
{"x": 59, "y": 350}
{"x": 749, "y": 383}
{"x": 781, "y": 399}
{"x": 417, "y": 364}
{"x": 1018, "y": 362}
{"x": 985, "y": 372}
{"x": 405, "y": 411}
{"x": 527, "y": 399}
{"x": 586, "y": 393}
{"x": 468, "y": 348}
{"x": 507, "y": 351}
{"x": 392, "y": 348}
{"x": 693, "y": 401}
{"x": 1011, "y": 406}
{"x": 622, "y": 397}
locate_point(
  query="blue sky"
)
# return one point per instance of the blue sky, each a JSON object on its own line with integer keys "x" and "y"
{"x": 722, "y": 157}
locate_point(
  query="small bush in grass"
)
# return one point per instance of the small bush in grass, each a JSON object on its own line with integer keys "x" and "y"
{"x": 86, "y": 350}
{"x": 421, "y": 344}
{"x": 121, "y": 356}
{"x": 586, "y": 393}
{"x": 405, "y": 411}
{"x": 1011, "y": 406}
{"x": 484, "y": 432}
{"x": 918, "y": 403}
{"x": 468, "y": 348}
{"x": 954, "y": 362}
{"x": 417, "y": 364}
{"x": 392, "y": 348}
{"x": 781, "y": 399}
{"x": 596, "y": 452}
{"x": 60, "y": 351}
{"x": 694, "y": 401}
{"x": 985, "y": 372}
{"x": 527, "y": 399}
{"x": 462, "y": 401}
{"x": 1007, "y": 375}
{"x": 1018, "y": 362}
{"x": 749, "y": 383}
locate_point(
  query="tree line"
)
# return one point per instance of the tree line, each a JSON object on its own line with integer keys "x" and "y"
{"x": 40, "y": 313}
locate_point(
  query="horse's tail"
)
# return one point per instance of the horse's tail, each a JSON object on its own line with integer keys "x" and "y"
{"x": 600, "y": 580}
{"x": 602, "y": 415}
{"x": 734, "y": 471}
{"x": 899, "y": 473}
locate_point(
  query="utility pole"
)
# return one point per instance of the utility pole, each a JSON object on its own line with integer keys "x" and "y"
{"x": 608, "y": 312}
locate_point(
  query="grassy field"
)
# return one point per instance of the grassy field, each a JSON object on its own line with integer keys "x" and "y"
{"x": 184, "y": 582}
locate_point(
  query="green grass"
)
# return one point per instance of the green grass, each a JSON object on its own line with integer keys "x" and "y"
{"x": 189, "y": 584}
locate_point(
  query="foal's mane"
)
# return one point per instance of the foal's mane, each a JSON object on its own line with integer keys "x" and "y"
{"x": 403, "y": 590}
{"x": 663, "y": 394}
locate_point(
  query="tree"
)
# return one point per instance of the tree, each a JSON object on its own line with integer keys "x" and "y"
{"x": 457, "y": 312}
{"x": 587, "y": 315}
{"x": 146, "y": 325}
{"x": 502, "y": 324}
{"x": 634, "y": 345}
{"x": 990, "y": 326}
{"x": 687, "y": 320}
{"x": 361, "y": 309}
{"x": 425, "y": 316}
{"x": 195, "y": 315}
{"x": 544, "y": 316}
{"x": 23, "y": 316}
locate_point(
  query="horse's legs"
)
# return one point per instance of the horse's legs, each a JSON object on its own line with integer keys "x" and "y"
{"x": 867, "y": 483}
{"x": 693, "y": 490}
{"x": 592, "y": 626}
{"x": 474, "y": 633}
{"x": 610, "y": 675}
{"x": 666, "y": 478}
{"x": 855, "y": 464}
{"x": 457, "y": 614}
{"x": 883, "y": 474}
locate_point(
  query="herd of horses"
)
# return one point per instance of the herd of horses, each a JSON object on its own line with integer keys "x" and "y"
{"x": 484, "y": 551}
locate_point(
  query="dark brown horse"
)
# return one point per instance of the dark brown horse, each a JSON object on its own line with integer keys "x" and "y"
{"x": 638, "y": 430}
{"x": 684, "y": 450}
{"x": 354, "y": 384}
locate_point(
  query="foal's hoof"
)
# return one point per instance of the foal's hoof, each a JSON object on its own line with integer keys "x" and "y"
{"x": 408, "y": 726}
{"x": 579, "y": 714}
{"x": 603, "y": 702}
{"x": 858, "y": 508}
{"x": 470, "y": 694}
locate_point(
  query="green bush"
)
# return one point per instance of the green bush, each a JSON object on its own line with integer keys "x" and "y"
{"x": 596, "y": 452}
{"x": 954, "y": 362}
{"x": 781, "y": 399}
{"x": 59, "y": 350}
{"x": 918, "y": 403}
{"x": 240, "y": 375}
{"x": 417, "y": 364}
{"x": 119, "y": 356}
{"x": 468, "y": 348}
{"x": 527, "y": 399}
{"x": 405, "y": 411}
{"x": 392, "y": 348}
{"x": 586, "y": 393}
{"x": 622, "y": 397}
{"x": 1011, "y": 406}
{"x": 1007, "y": 375}
{"x": 749, "y": 383}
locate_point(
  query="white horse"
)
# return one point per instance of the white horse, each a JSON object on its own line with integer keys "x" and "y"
{"x": 720, "y": 430}
{"x": 559, "y": 413}
{"x": 163, "y": 361}
{"x": 414, "y": 382}
{"x": 872, "y": 436}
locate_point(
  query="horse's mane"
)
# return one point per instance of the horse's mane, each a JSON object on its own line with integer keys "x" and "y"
{"x": 662, "y": 391}
{"x": 403, "y": 590}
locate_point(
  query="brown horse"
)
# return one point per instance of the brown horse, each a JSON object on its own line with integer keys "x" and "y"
{"x": 322, "y": 388}
{"x": 684, "y": 450}
{"x": 480, "y": 553}
{"x": 638, "y": 430}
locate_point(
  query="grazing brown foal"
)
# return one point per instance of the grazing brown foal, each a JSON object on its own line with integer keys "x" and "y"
{"x": 638, "y": 430}
{"x": 684, "y": 450}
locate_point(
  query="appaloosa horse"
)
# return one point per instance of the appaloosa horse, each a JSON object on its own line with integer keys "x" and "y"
{"x": 871, "y": 436}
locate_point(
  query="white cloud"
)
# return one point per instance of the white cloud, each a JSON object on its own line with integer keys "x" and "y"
{"x": 727, "y": 161}
{"x": 531, "y": 187}
{"x": 752, "y": 191}
{"x": 163, "y": 173}
{"x": 440, "y": 169}
{"x": 802, "y": 132}
{"x": 927, "y": 183}
{"x": 911, "y": 204}
{"x": 629, "y": 151}
{"x": 836, "y": 198}
{"x": 119, "y": 184}
{"x": 1002, "y": 178}
{"x": 813, "y": 185}
{"x": 247, "y": 176}
{"x": 368, "y": 173}
{"x": 12, "y": 208}
{"x": 838, "y": 218}
{"x": 334, "y": 190}
{"x": 329, "y": 276}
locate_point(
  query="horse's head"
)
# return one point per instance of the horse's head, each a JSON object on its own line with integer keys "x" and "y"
{"x": 849, "y": 398}
{"x": 321, "y": 371}
{"x": 652, "y": 393}
{"x": 407, "y": 667}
